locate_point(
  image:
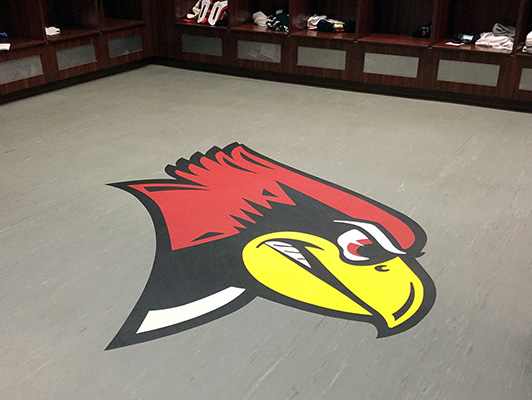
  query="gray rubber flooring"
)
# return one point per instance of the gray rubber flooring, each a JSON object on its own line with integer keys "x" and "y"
{"x": 75, "y": 254}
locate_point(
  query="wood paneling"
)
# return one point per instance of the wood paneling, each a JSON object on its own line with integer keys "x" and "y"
{"x": 383, "y": 28}
{"x": 23, "y": 83}
{"x": 420, "y": 53}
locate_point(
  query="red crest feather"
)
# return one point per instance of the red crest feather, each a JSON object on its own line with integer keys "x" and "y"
{"x": 213, "y": 189}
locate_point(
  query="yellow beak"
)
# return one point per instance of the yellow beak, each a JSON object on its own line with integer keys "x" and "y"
{"x": 390, "y": 289}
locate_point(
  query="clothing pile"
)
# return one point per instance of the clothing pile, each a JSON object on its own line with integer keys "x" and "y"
{"x": 322, "y": 23}
{"x": 52, "y": 31}
{"x": 278, "y": 21}
{"x": 423, "y": 31}
{"x": 501, "y": 38}
{"x": 209, "y": 12}
{"x": 528, "y": 44}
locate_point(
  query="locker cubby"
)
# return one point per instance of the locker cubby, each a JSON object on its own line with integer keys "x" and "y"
{"x": 119, "y": 14}
{"x": 23, "y": 22}
{"x": 524, "y": 27}
{"x": 241, "y": 14}
{"x": 301, "y": 10}
{"x": 394, "y": 21}
{"x": 184, "y": 7}
{"x": 75, "y": 18}
{"x": 473, "y": 17}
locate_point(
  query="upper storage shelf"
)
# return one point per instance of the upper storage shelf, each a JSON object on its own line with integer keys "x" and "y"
{"x": 241, "y": 14}
{"x": 341, "y": 10}
{"x": 394, "y": 21}
{"x": 75, "y": 18}
{"x": 473, "y": 17}
{"x": 118, "y": 14}
{"x": 23, "y": 22}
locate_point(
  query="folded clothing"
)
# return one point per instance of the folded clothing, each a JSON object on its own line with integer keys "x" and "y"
{"x": 260, "y": 19}
{"x": 52, "y": 30}
{"x": 278, "y": 21}
{"x": 313, "y": 21}
{"x": 502, "y": 30}
{"x": 322, "y": 23}
{"x": 528, "y": 41}
{"x": 488, "y": 39}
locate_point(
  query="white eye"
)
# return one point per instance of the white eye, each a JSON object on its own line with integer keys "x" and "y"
{"x": 351, "y": 241}
{"x": 376, "y": 233}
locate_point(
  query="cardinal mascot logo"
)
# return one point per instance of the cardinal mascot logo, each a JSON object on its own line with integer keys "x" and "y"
{"x": 232, "y": 225}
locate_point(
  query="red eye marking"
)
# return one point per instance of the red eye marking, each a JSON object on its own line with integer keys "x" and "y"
{"x": 353, "y": 247}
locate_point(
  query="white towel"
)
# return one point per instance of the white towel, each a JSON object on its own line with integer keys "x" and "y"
{"x": 259, "y": 18}
{"x": 52, "y": 30}
{"x": 503, "y": 43}
{"x": 528, "y": 41}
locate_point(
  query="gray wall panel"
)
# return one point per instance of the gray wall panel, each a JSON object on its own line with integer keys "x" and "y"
{"x": 125, "y": 45}
{"x": 321, "y": 58}
{"x": 386, "y": 64}
{"x": 468, "y": 72}
{"x": 209, "y": 46}
{"x": 16, "y": 70}
{"x": 259, "y": 51}
{"x": 526, "y": 79}
{"x": 74, "y": 56}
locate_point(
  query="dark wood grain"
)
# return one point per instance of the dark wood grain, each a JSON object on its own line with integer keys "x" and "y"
{"x": 325, "y": 35}
{"x": 113, "y": 24}
{"x": 365, "y": 23}
{"x": 301, "y": 10}
{"x": 477, "y": 16}
{"x": 185, "y": 22}
{"x": 440, "y": 16}
{"x": 69, "y": 34}
{"x": 382, "y": 26}
{"x": 202, "y": 30}
{"x": 6, "y": 56}
{"x": 469, "y": 48}
{"x": 402, "y": 17}
{"x": 519, "y": 63}
{"x": 422, "y": 53}
{"x": 73, "y": 14}
{"x": 22, "y": 19}
{"x": 80, "y": 69}
{"x": 524, "y": 24}
{"x": 398, "y": 40}
{"x": 258, "y": 29}
{"x": 123, "y": 9}
{"x": 472, "y": 57}
{"x": 127, "y": 58}
{"x": 241, "y": 11}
